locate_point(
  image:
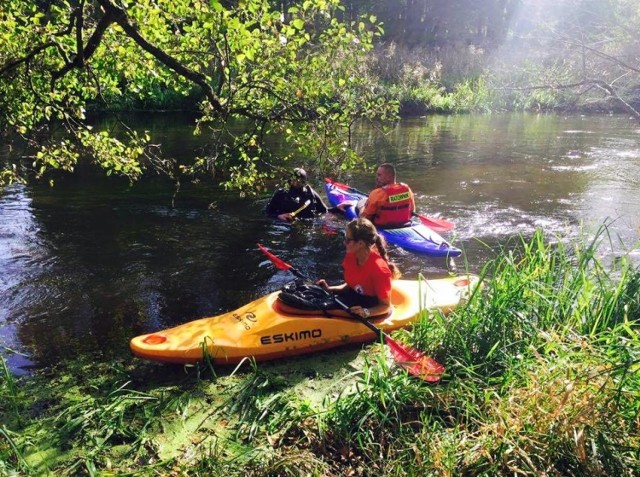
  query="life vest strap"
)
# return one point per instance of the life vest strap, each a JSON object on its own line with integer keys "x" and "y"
{"x": 394, "y": 207}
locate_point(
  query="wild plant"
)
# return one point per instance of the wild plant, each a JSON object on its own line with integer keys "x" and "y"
{"x": 262, "y": 402}
{"x": 9, "y": 390}
{"x": 542, "y": 376}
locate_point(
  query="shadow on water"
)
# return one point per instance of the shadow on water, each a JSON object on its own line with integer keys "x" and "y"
{"x": 92, "y": 262}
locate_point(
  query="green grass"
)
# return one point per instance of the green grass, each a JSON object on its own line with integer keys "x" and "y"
{"x": 543, "y": 378}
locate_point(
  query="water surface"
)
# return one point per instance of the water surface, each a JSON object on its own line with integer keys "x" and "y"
{"x": 91, "y": 262}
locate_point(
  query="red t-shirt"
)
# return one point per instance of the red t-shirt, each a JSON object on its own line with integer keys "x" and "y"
{"x": 373, "y": 278}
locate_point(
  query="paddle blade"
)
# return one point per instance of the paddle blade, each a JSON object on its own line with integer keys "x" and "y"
{"x": 328, "y": 230}
{"x": 436, "y": 224}
{"x": 415, "y": 362}
{"x": 279, "y": 263}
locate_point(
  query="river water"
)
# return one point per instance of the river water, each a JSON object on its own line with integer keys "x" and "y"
{"x": 91, "y": 262}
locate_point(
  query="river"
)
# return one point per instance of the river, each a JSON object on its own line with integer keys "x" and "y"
{"x": 89, "y": 263}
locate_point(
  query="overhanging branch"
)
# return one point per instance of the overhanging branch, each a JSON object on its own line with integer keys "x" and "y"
{"x": 603, "y": 85}
{"x": 84, "y": 53}
{"x": 167, "y": 60}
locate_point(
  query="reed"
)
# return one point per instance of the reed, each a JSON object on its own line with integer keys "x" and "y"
{"x": 12, "y": 460}
{"x": 541, "y": 376}
{"x": 9, "y": 389}
{"x": 263, "y": 403}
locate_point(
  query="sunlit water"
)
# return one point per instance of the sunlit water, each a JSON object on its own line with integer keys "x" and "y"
{"x": 88, "y": 264}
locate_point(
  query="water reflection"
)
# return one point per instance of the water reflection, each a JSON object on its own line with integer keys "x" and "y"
{"x": 88, "y": 264}
{"x": 22, "y": 259}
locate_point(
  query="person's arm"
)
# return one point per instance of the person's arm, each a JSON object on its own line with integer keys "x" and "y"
{"x": 276, "y": 204}
{"x": 286, "y": 216}
{"x": 373, "y": 204}
{"x": 381, "y": 308}
{"x": 413, "y": 202}
{"x": 332, "y": 288}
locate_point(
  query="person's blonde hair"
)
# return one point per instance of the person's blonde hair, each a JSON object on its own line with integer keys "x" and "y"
{"x": 363, "y": 229}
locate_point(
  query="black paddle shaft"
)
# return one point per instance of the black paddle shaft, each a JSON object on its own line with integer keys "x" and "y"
{"x": 345, "y": 307}
{"x": 365, "y": 322}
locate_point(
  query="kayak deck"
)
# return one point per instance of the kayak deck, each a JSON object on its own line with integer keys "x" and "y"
{"x": 260, "y": 330}
{"x": 417, "y": 237}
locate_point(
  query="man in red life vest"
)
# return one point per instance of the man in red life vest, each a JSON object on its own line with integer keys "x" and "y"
{"x": 391, "y": 203}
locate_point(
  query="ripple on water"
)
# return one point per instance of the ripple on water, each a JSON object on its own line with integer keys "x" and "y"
{"x": 586, "y": 167}
{"x": 493, "y": 220}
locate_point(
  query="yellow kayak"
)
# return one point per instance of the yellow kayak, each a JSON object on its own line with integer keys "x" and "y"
{"x": 263, "y": 331}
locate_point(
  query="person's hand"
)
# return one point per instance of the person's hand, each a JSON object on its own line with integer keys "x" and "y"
{"x": 286, "y": 217}
{"x": 360, "y": 311}
{"x": 323, "y": 283}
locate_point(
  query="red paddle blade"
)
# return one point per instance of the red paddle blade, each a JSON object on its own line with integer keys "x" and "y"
{"x": 435, "y": 224}
{"x": 416, "y": 363}
{"x": 279, "y": 263}
{"x": 328, "y": 230}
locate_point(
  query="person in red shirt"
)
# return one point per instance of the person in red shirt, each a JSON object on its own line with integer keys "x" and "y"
{"x": 367, "y": 271}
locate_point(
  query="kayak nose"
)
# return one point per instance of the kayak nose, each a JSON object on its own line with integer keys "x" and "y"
{"x": 154, "y": 339}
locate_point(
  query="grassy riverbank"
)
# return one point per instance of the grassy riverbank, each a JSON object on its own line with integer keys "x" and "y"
{"x": 542, "y": 378}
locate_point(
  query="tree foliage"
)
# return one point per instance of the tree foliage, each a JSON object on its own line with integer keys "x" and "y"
{"x": 516, "y": 54}
{"x": 440, "y": 23}
{"x": 299, "y": 73}
{"x": 574, "y": 53}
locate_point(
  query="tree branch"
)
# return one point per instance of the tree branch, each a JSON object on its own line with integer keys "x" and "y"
{"x": 83, "y": 53}
{"x": 79, "y": 26}
{"x": 603, "y": 85}
{"x": 597, "y": 52}
{"x": 167, "y": 60}
{"x": 38, "y": 49}
{"x": 193, "y": 76}
{"x": 27, "y": 58}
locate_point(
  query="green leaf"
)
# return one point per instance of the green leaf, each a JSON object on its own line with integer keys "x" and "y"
{"x": 249, "y": 53}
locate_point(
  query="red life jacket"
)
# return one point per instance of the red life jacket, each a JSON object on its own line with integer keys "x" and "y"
{"x": 396, "y": 210}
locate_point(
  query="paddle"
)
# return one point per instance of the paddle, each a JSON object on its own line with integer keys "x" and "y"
{"x": 434, "y": 223}
{"x": 412, "y": 360}
{"x": 301, "y": 208}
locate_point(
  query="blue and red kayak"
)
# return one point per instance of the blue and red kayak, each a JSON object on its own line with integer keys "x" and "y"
{"x": 417, "y": 237}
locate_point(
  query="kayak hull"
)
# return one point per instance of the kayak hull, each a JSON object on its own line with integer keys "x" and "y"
{"x": 263, "y": 331}
{"x": 417, "y": 237}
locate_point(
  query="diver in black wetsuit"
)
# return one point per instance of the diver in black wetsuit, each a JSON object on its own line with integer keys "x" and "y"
{"x": 286, "y": 201}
